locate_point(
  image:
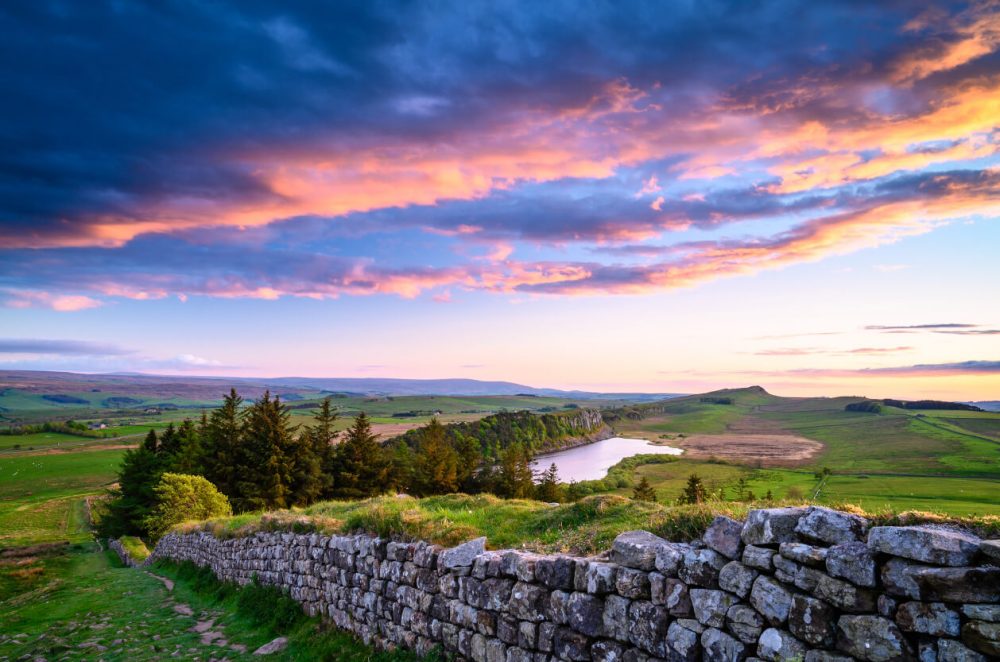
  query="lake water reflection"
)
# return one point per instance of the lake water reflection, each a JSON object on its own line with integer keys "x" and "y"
{"x": 592, "y": 461}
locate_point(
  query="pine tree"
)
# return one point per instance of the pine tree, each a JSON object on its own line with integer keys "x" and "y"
{"x": 436, "y": 462}
{"x": 150, "y": 442}
{"x": 266, "y": 457}
{"x": 404, "y": 468}
{"x": 169, "y": 442}
{"x": 694, "y": 491}
{"x": 189, "y": 458}
{"x": 644, "y": 491}
{"x": 470, "y": 458}
{"x": 223, "y": 436}
{"x": 363, "y": 466}
{"x": 549, "y": 489}
{"x": 139, "y": 472}
{"x": 321, "y": 436}
{"x": 515, "y": 480}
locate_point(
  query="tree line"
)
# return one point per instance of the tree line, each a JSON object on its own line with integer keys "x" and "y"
{"x": 259, "y": 460}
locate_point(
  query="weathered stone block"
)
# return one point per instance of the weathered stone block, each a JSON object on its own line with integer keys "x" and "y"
{"x": 669, "y": 557}
{"x": 777, "y": 646}
{"x": 616, "y": 623}
{"x": 845, "y": 596}
{"x": 852, "y": 561}
{"x": 737, "y": 578}
{"x": 682, "y": 644}
{"x": 528, "y": 602}
{"x": 636, "y": 549}
{"x": 700, "y": 567}
{"x": 831, "y": 526}
{"x": 949, "y": 650}
{"x": 872, "y": 638}
{"x": 600, "y": 578}
{"x": 723, "y": 536}
{"x": 813, "y": 621}
{"x": 771, "y": 600}
{"x": 648, "y": 627}
{"x": 988, "y": 613}
{"x": 758, "y": 557}
{"x": 745, "y": 623}
{"x": 982, "y": 637}
{"x": 717, "y": 645}
{"x": 555, "y": 572}
{"x": 710, "y": 606}
{"x": 771, "y": 525}
{"x": 975, "y": 585}
{"x": 607, "y": 651}
{"x": 463, "y": 555}
{"x": 933, "y": 618}
{"x": 632, "y": 583}
{"x": 925, "y": 543}
{"x": 586, "y": 614}
{"x": 571, "y": 645}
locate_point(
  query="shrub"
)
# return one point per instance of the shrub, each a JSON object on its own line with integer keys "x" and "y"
{"x": 180, "y": 497}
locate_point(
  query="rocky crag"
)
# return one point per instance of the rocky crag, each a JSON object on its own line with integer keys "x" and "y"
{"x": 808, "y": 584}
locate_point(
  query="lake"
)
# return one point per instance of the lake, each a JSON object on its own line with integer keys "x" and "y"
{"x": 592, "y": 461}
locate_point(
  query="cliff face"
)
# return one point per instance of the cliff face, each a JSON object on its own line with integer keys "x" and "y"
{"x": 811, "y": 584}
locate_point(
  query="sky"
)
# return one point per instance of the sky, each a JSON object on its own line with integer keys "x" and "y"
{"x": 667, "y": 197}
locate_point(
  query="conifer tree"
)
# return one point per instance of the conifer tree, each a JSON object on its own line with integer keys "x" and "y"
{"x": 139, "y": 472}
{"x": 515, "y": 480}
{"x": 321, "y": 436}
{"x": 549, "y": 489}
{"x": 470, "y": 458}
{"x": 150, "y": 443}
{"x": 169, "y": 442}
{"x": 189, "y": 458}
{"x": 266, "y": 457}
{"x": 694, "y": 491}
{"x": 644, "y": 491}
{"x": 363, "y": 465}
{"x": 436, "y": 462}
{"x": 223, "y": 435}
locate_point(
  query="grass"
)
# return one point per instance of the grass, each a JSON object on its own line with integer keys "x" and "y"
{"x": 86, "y": 605}
{"x": 135, "y": 547}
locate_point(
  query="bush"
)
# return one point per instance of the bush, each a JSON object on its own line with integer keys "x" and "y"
{"x": 180, "y": 497}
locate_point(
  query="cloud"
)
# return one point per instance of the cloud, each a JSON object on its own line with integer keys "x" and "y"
{"x": 63, "y": 303}
{"x": 808, "y": 351}
{"x": 60, "y": 347}
{"x": 950, "y": 328}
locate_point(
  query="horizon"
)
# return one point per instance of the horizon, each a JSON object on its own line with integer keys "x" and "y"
{"x": 634, "y": 199}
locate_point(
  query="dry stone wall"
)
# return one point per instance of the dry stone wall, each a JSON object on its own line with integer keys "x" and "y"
{"x": 807, "y": 584}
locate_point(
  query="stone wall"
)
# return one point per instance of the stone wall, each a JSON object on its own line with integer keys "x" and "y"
{"x": 119, "y": 549}
{"x": 807, "y": 584}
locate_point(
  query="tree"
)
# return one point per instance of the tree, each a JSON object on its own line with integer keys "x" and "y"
{"x": 322, "y": 437}
{"x": 644, "y": 491}
{"x": 150, "y": 442}
{"x": 363, "y": 466}
{"x": 190, "y": 457}
{"x": 694, "y": 491}
{"x": 515, "y": 480}
{"x": 134, "y": 498}
{"x": 223, "y": 435}
{"x": 180, "y": 497}
{"x": 436, "y": 462}
{"x": 169, "y": 442}
{"x": 267, "y": 457}
{"x": 549, "y": 489}
{"x": 470, "y": 458}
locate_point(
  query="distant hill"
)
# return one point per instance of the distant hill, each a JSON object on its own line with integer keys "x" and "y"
{"x": 214, "y": 387}
{"x": 986, "y": 405}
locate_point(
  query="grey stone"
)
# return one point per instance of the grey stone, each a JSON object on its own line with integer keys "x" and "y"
{"x": 925, "y": 543}
{"x": 928, "y": 618}
{"x": 273, "y": 646}
{"x": 463, "y": 555}
{"x": 982, "y": 637}
{"x": 723, "y": 536}
{"x": 717, "y": 645}
{"x": 570, "y": 645}
{"x": 616, "y": 622}
{"x": 988, "y": 613}
{"x": 771, "y": 525}
{"x": 710, "y": 606}
{"x": 600, "y": 578}
{"x": 648, "y": 627}
{"x": 826, "y": 656}
{"x": 872, "y": 638}
{"x": 886, "y": 606}
{"x": 586, "y": 614}
{"x": 527, "y": 635}
{"x": 528, "y": 602}
{"x": 682, "y": 644}
{"x": 632, "y": 583}
{"x": 852, "y": 561}
{"x": 802, "y": 553}
{"x": 758, "y": 557}
{"x": 555, "y": 572}
{"x": 669, "y": 557}
{"x": 771, "y": 600}
{"x": 690, "y": 624}
{"x": 976, "y": 585}
{"x": 607, "y": 651}
{"x": 812, "y": 621}
{"x": 670, "y": 593}
{"x": 558, "y": 609}
{"x": 897, "y": 578}
{"x": 700, "y": 567}
{"x": 831, "y": 526}
{"x": 950, "y": 650}
{"x": 991, "y": 549}
{"x": 777, "y": 646}
{"x": 745, "y": 623}
{"x": 845, "y": 596}
{"x": 636, "y": 549}
{"x": 737, "y": 578}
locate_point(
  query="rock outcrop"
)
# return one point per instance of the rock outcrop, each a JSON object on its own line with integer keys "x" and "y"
{"x": 810, "y": 584}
